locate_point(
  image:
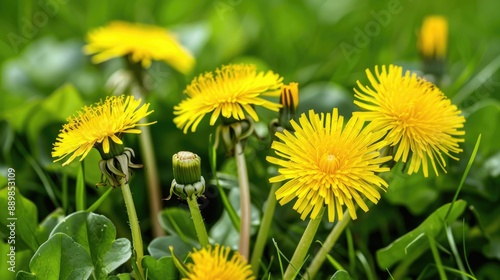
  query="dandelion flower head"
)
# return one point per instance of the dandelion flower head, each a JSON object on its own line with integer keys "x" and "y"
{"x": 143, "y": 43}
{"x": 98, "y": 125}
{"x": 420, "y": 121}
{"x": 216, "y": 263}
{"x": 326, "y": 163}
{"x": 231, "y": 91}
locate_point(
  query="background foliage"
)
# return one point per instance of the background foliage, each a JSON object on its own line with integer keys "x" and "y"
{"x": 324, "y": 45}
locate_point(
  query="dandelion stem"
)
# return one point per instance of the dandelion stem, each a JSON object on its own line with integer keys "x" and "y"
{"x": 330, "y": 241}
{"x": 303, "y": 247}
{"x": 134, "y": 225}
{"x": 244, "y": 245}
{"x": 265, "y": 225}
{"x": 199, "y": 226}
{"x": 152, "y": 179}
{"x": 146, "y": 144}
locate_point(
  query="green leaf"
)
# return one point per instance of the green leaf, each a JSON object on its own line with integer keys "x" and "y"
{"x": 177, "y": 221}
{"x": 341, "y": 275}
{"x": 415, "y": 239}
{"x": 97, "y": 234}
{"x": 59, "y": 258}
{"x": 13, "y": 260}
{"x": 22, "y": 220}
{"x": 162, "y": 269}
{"x": 158, "y": 248}
{"x": 122, "y": 276}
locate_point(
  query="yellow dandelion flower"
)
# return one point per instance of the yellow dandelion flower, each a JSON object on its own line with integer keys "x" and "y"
{"x": 143, "y": 43}
{"x": 231, "y": 92}
{"x": 420, "y": 121}
{"x": 433, "y": 37}
{"x": 328, "y": 164}
{"x": 214, "y": 263}
{"x": 98, "y": 125}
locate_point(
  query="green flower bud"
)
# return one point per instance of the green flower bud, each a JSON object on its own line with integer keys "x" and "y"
{"x": 187, "y": 176}
{"x": 187, "y": 167}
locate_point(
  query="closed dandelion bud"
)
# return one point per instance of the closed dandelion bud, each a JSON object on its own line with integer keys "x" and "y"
{"x": 187, "y": 175}
{"x": 289, "y": 100}
{"x": 433, "y": 38}
{"x": 432, "y": 45}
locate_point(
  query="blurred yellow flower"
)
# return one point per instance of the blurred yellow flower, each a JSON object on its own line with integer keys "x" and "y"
{"x": 418, "y": 118}
{"x": 142, "y": 43}
{"x": 214, "y": 263}
{"x": 231, "y": 92}
{"x": 433, "y": 37}
{"x": 98, "y": 125}
{"x": 328, "y": 163}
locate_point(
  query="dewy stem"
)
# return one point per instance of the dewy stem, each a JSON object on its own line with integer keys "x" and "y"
{"x": 244, "y": 245}
{"x": 303, "y": 246}
{"x": 199, "y": 226}
{"x": 134, "y": 225}
{"x": 265, "y": 225}
{"x": 334, "y": 235}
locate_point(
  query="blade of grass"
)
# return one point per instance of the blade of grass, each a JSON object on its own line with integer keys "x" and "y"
{"x": 477, "y": 81}
{"x": 464, "y": 176}
{"x": 334, "y": 263}
{"x": 454, "y": 250}
{"x": 366, "y": 266}
{"x": 465, "y": 251}
{"x": 437, "y": 258}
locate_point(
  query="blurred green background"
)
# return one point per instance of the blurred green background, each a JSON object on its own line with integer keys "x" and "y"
{"x": 324, "y": 45}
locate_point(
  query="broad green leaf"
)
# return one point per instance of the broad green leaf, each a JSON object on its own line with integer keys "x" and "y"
{"x": 177, "y": 221}
{"x": 20, "y": 220}
{"x": 13, "y": 260}
{"x": 122, "y": 276}
{"x": 96, "y": 234}
{"x": 341, "y": 275}
{"x": 59, "y": 258}
{"x": 416, "y": 239}
{"x": 162, "y": 269}
{"x": 159, "y": 247}
{"x": 118, "y": 254}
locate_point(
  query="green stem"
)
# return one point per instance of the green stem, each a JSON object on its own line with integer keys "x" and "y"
{"x": 80, "y": 190}
{"x": 146, "y": 144}
{"x": 134, "y": 225}
{"x": 265, "y": 225}
{"x": 244, "y": 245}
{"x": 98, "y": 202}
{"x": 303, "y": 247}
{"x": 199, "y": 226}
{"x": 152, "y": 179}
{"x": 330, "y": 241}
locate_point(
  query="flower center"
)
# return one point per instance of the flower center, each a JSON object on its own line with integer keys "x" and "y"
{"x": 329, "y": 164}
